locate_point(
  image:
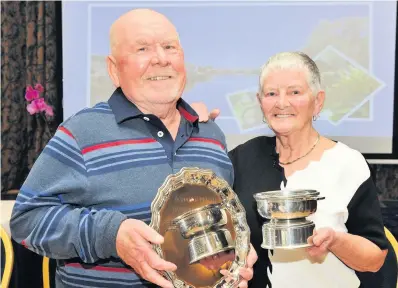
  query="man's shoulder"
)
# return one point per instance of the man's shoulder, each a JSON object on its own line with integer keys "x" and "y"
{"x": 82, "y": 118}
{"x": 210, "y": 129}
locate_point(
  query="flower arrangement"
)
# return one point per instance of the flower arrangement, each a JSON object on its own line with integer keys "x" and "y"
{"x": 37, "y": 103}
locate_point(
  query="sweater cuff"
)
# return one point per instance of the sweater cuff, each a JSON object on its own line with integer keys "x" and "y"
{"x": 107, "y": 237}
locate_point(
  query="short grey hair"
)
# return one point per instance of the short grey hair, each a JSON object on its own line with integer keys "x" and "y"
{"x": 292, "y": 60}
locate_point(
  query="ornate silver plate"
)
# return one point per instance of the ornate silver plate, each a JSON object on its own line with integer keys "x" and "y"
{"x": 201, "y": 220}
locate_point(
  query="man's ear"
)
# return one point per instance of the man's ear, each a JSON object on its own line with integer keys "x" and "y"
{"x": 112, "y": 70}
{"x": 319, "y": 101}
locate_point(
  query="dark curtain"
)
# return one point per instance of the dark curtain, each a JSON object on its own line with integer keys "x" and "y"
{"x": 29, "y": 55}
{"x": 386, "y": 178}
{"x": 31, "y": 47}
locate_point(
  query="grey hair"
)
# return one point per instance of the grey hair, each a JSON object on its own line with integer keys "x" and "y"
{"x": 292, "y": 60}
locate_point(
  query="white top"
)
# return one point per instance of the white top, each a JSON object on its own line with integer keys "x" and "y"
{"x": 337, "y": 176}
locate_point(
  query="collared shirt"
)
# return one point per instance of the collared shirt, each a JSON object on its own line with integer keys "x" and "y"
{"x": 103, "y": 165}
{"x": 124, "y": 110}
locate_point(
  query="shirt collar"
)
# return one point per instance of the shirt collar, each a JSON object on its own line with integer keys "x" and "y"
{"x": 187, "y": 112}
{"x": 123, "y": 109}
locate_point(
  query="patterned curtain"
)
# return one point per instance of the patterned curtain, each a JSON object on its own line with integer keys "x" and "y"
{"x": 29, "y": 55}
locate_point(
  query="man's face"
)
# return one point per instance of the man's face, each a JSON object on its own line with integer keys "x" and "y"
{"x": 150, "y": 63}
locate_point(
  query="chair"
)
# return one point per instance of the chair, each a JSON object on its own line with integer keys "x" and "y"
{"x": 46, "y": 272}
{"x": 9, "y": 258}
{"x": 393, "y": 241}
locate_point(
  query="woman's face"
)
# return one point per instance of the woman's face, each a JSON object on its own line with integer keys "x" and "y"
{"x": 287, "y": 101}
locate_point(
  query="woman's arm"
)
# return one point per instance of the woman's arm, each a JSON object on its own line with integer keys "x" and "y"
{"x": 355, "y": 251}
{"x": 364, "y": 247}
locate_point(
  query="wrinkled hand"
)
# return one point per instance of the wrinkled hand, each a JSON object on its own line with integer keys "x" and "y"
{"x": 203, "y": 113}
{"x": 245, "y": 273}
{"x": 133, "y": 245}
{"x": 322, "y": 239}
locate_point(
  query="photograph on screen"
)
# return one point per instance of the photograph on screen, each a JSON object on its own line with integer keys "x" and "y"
{"x": 226, "y": 43}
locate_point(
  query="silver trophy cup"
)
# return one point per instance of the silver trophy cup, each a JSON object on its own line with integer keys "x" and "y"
{"x": 286, "y": 212}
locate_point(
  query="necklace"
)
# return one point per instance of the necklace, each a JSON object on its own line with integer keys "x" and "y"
{"x": 312, "y": 148}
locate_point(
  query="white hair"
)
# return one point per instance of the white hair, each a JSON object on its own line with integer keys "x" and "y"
{"x": 292, "y": 60}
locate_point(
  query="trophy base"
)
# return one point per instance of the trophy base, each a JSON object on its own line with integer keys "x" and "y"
{"x": 287, "y": 234}
{"x": 208, "y": 244}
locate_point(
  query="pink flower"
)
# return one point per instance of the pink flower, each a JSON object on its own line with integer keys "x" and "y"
{"x": 32, "y": 108}
{"x": 39, "y": 105}
{"x": 49, "y": 111}
{"x": 31, "y": 93}
{"x": 39, "y": 87}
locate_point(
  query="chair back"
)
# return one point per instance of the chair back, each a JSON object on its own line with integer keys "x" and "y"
{"x": 46, "y": 272}
{"x": 9, "y": 258}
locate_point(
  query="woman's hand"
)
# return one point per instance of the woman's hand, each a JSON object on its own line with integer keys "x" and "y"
{"x": 355, "y": 251}
{"x": 322, "y": 239}
{"x": 203, "y": 113}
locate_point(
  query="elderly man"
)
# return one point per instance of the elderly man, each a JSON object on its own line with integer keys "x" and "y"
{"x": 87, "y": 199}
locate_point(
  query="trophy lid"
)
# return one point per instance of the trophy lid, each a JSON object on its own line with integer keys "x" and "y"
{"x": 286, "y": 194}
{"x": 195, "y": 211}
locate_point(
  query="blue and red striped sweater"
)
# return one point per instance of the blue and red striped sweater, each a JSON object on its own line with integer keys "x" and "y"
{"x": 103, "y": 165}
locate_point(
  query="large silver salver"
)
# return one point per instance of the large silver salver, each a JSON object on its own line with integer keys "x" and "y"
{"x": 286, "y": 210}
{"x": 200, "y": 217}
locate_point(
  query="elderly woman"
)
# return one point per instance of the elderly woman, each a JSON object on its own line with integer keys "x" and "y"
{"x": 349, "y": 234}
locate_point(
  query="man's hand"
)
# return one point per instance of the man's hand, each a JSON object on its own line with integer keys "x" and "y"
{"x": 247, "y": 272}
{"x": 133, "y": 245}
{"x": 322, "y": 240}
{"x": 203, "y": 113}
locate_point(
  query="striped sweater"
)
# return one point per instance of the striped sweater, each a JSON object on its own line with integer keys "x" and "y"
{"x": 103, "y": 165}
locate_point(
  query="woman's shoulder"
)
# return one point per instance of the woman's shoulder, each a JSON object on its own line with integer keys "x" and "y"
{"x": 351, "y": 160}
{"x": 256, "y": 145}
{"x": 351, "y": 154}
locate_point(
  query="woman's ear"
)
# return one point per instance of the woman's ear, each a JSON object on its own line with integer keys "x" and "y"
{"x": 112, "y": 70}
{"x": 258, "y": 97}
{"x": 319, "y": 101}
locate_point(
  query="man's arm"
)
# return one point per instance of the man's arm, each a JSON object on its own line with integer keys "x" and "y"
{"x": 46, "y": 224}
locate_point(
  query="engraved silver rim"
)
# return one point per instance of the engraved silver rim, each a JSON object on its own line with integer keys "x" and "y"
{"x": 206, "y": 177}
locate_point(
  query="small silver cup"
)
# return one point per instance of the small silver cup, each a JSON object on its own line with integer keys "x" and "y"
{"x": 203, "y": 226}
{"x": 286, "y": 210}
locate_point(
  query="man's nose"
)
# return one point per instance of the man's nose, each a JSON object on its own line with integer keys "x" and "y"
{"x": 160, "y": 57}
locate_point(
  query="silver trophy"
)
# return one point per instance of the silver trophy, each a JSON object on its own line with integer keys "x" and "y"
{"x": 288, "y": 227}
{"x": 201, "y": 219}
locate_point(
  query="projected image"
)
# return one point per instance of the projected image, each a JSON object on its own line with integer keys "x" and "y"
{"x": 348, "y": 82}
{"x": 225, "y": 45}
{"x": 102, "y": 88}
{"x": 245, "y": 109}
